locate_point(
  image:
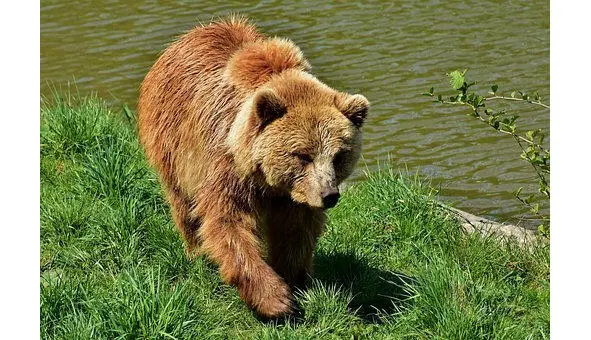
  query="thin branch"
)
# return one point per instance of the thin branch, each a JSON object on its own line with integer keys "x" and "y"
{"x": 518, "y": 99}
{"x": 485, "y": 121}
{"x": 536, "y": 169}
{"x": 453, "y": 103}
{"x": 540, "y": 216}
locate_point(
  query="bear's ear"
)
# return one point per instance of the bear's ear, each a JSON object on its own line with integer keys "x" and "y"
{"x": 354, "y": 107}
{"x": 268, "y": 106}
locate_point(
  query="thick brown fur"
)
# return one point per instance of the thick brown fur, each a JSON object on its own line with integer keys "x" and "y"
{"x": 250, "y": 149}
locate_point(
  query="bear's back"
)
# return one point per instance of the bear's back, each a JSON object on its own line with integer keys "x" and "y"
{"x": 184, "y": 103}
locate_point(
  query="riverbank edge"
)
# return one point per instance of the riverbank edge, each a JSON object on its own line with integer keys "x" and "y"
{"x": 477, "y": 224}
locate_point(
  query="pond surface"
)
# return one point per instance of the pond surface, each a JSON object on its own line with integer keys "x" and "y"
{"x": 389, "y": 51}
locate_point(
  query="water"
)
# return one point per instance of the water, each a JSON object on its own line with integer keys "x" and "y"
{"x": 390, "y": 52}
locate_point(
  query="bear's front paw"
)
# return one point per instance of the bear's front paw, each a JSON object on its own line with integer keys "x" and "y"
{"x": 279, "y": 302}
{"x": 270, "y": 297}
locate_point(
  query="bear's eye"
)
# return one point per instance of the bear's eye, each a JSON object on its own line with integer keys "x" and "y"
{"x": 303, "y": 157}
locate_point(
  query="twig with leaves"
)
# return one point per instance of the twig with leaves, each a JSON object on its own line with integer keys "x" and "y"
{"x": 530, "y": 142}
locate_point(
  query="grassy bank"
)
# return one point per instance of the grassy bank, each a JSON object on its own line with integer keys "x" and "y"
{"x": 390, "y": 265}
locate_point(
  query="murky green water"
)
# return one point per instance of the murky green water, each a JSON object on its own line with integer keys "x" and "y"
{"x": 389, "y": 51}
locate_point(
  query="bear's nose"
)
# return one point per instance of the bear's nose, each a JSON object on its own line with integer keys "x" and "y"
{"x": 331, "y": 199}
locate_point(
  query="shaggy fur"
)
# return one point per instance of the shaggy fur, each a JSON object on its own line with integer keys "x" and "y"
{"x": 250, "y": 149}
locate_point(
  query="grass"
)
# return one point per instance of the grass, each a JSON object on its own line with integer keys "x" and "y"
{"x": 391, "y": 264}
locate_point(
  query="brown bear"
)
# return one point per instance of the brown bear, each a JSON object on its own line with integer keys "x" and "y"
{"x": 250, "y": 148}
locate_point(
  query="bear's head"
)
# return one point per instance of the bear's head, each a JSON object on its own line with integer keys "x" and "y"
{"x": 301, "y": 135}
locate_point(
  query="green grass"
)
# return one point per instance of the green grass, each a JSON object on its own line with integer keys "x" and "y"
{"x": 391, "y": 264}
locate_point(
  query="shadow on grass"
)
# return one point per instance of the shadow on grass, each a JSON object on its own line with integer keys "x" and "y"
{"x": 375, "y": 292}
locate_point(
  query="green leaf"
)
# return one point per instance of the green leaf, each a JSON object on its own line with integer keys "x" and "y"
{"x": 494, "y": 88}
{"x": 544, "y": 188}
{"x": 430, "y": 93}
{"x": 544, "y": 230}
{"x": 456, "y": 79}
{"x": 479, "y": 101}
